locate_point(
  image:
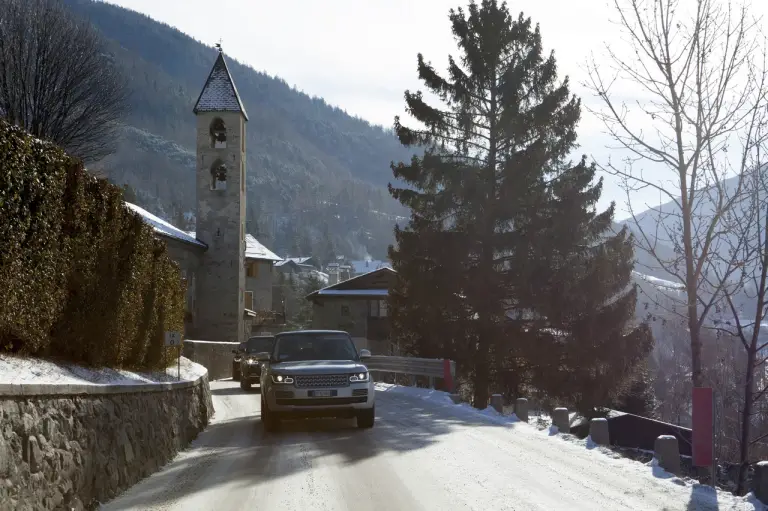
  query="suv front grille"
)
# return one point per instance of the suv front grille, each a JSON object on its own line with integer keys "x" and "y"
{"x": 322, "y": 381}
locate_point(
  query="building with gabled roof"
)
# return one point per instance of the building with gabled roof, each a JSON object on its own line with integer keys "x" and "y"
{"x": 358, "y": 306}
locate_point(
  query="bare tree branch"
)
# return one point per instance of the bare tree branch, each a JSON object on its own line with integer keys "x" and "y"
{"x": 56, "y": 79}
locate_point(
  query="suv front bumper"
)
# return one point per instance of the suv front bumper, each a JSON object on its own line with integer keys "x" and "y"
{"x": 289, "y": 401}
{"x": 250, "y": 372}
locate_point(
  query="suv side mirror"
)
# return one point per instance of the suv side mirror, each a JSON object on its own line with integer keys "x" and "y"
{"x": 365, "y": 354}
{"x": 262, "y": 356}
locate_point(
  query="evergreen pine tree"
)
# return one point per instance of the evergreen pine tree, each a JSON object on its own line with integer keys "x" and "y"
{"x": 504, "y": 124}
{"x": 584, "y": 344}
{"x": 504, "y": 257}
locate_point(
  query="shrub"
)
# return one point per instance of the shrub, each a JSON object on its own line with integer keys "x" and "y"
{"x": 82, "y": 278}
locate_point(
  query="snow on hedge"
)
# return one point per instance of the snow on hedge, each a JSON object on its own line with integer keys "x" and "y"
{"x": 21, "y": 370}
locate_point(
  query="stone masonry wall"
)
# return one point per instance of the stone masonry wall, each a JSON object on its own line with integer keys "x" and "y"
{"x": 72, "y": 451}
{"x": 214, "y": 356}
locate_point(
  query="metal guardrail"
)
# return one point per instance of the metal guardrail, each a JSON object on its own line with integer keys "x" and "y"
{"x": 432, "y": 367}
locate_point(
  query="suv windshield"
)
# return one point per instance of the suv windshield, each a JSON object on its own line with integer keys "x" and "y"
{"x": 259, "y": 344}
{"x": 304, "y": 346}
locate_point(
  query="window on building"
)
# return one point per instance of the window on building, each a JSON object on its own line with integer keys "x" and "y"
{"x": 218, "y": 176}
{"x": 345, "y": 310}
{"x": 378, "y": 309}
{"x": 249, "y": 300}
{"x": 252, "y": 269}
{"x": 218, "y": 134}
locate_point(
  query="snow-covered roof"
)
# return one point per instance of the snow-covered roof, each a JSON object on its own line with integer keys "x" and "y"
{"x": 322, "y": 277}
{"x": 655, "y": 281}
{"x": 164, "y": 228}
{"x": 255, "y": 250}
{"x": 220, "y": 93}
{"x": 368, "y": 265}
{"x": 353, "y": 292}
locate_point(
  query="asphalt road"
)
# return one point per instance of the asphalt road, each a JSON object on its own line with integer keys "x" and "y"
{"x": 419, "y": 456}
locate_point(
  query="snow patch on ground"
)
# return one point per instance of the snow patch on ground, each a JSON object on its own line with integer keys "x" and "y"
{"x": 441, "y": 398}
{"x": 702, "y": 496}
{"x": 21, "y": 370}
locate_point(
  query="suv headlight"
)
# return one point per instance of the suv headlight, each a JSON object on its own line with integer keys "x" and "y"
{"x": 252, "y": 361}
{"x": 359, "y": 377}
{"x": 280, "y": 379}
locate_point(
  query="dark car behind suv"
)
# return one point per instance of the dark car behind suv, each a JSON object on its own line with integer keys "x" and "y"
{"x": 250, "y": 368}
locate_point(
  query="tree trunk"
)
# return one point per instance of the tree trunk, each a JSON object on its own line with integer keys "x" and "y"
{"x": 482, "y": 376}
{"x": 745, "y": 419}
{"x": 487, "y": 331}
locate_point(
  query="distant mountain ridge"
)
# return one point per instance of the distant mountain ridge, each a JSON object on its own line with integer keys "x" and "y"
{"x": 312, "y": 168}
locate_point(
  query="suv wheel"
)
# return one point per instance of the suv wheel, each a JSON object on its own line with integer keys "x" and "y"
{"x": 245, "y": 384}
{"x": 365, "y": 418}
{"x": 268, "y": 420}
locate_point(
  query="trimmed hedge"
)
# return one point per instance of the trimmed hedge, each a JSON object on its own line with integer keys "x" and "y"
{"x": 82, "y": 278}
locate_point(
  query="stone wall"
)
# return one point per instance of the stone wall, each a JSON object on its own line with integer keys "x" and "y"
{"x": 71, "y": 446}
{"x": 214, "y": 356}
{"x": 220, "y": 224}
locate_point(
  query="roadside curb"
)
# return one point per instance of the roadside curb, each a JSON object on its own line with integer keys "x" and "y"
{"x": 73, "y": 389}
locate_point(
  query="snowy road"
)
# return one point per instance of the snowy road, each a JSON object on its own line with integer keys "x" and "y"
{"x": 421, "y": 455}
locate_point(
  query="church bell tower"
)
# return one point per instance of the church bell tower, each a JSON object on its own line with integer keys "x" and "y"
{"x": 221, "y": 120}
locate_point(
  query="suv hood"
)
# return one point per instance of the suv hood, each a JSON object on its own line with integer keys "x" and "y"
{"x": 318, "y": 367}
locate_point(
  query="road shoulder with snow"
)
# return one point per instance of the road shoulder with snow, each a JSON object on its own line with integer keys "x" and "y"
{"x": 29, "y": 376}
{"x": 425, "y": 453}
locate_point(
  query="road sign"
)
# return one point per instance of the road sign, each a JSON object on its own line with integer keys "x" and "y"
{"x": 173, "y": 338}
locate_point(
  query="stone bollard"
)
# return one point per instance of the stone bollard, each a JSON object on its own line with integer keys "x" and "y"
{"x": 456, "y": 398}
{"x": 667, "y": 453}
{"x": 561, "y": 421}
{"x": 760, "y": 481}
{"x": 497, "y": 402}
{"x": 598, "y": 431}
{"x": 521, "y": 409}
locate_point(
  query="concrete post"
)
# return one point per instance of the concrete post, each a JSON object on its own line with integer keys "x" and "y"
{"x": 521, "y": 409}
{"x": 456, "y": 398}
{"x": 412, "y": 379}
{"x": 667, "y": 453}
{"x": 497, "y": 402}
{"x": 760, "y": 481}
{"x": 561, "y": 421}
{"x": 432, "y": 382}
{"x": 598, "y": 431}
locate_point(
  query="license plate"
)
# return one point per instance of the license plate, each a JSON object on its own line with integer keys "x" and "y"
{"x": 321, "y": 393}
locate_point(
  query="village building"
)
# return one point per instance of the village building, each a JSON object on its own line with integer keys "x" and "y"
{"x": 358, "y": 306}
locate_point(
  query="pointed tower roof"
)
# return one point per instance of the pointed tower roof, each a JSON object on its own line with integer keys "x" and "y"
{"x": 219, "y": 93}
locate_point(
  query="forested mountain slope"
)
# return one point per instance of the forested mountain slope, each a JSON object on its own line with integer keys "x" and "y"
{"x": 314, "y": 172}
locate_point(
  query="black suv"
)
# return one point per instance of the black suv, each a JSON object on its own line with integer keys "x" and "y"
{"x": 250, "y": 368}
